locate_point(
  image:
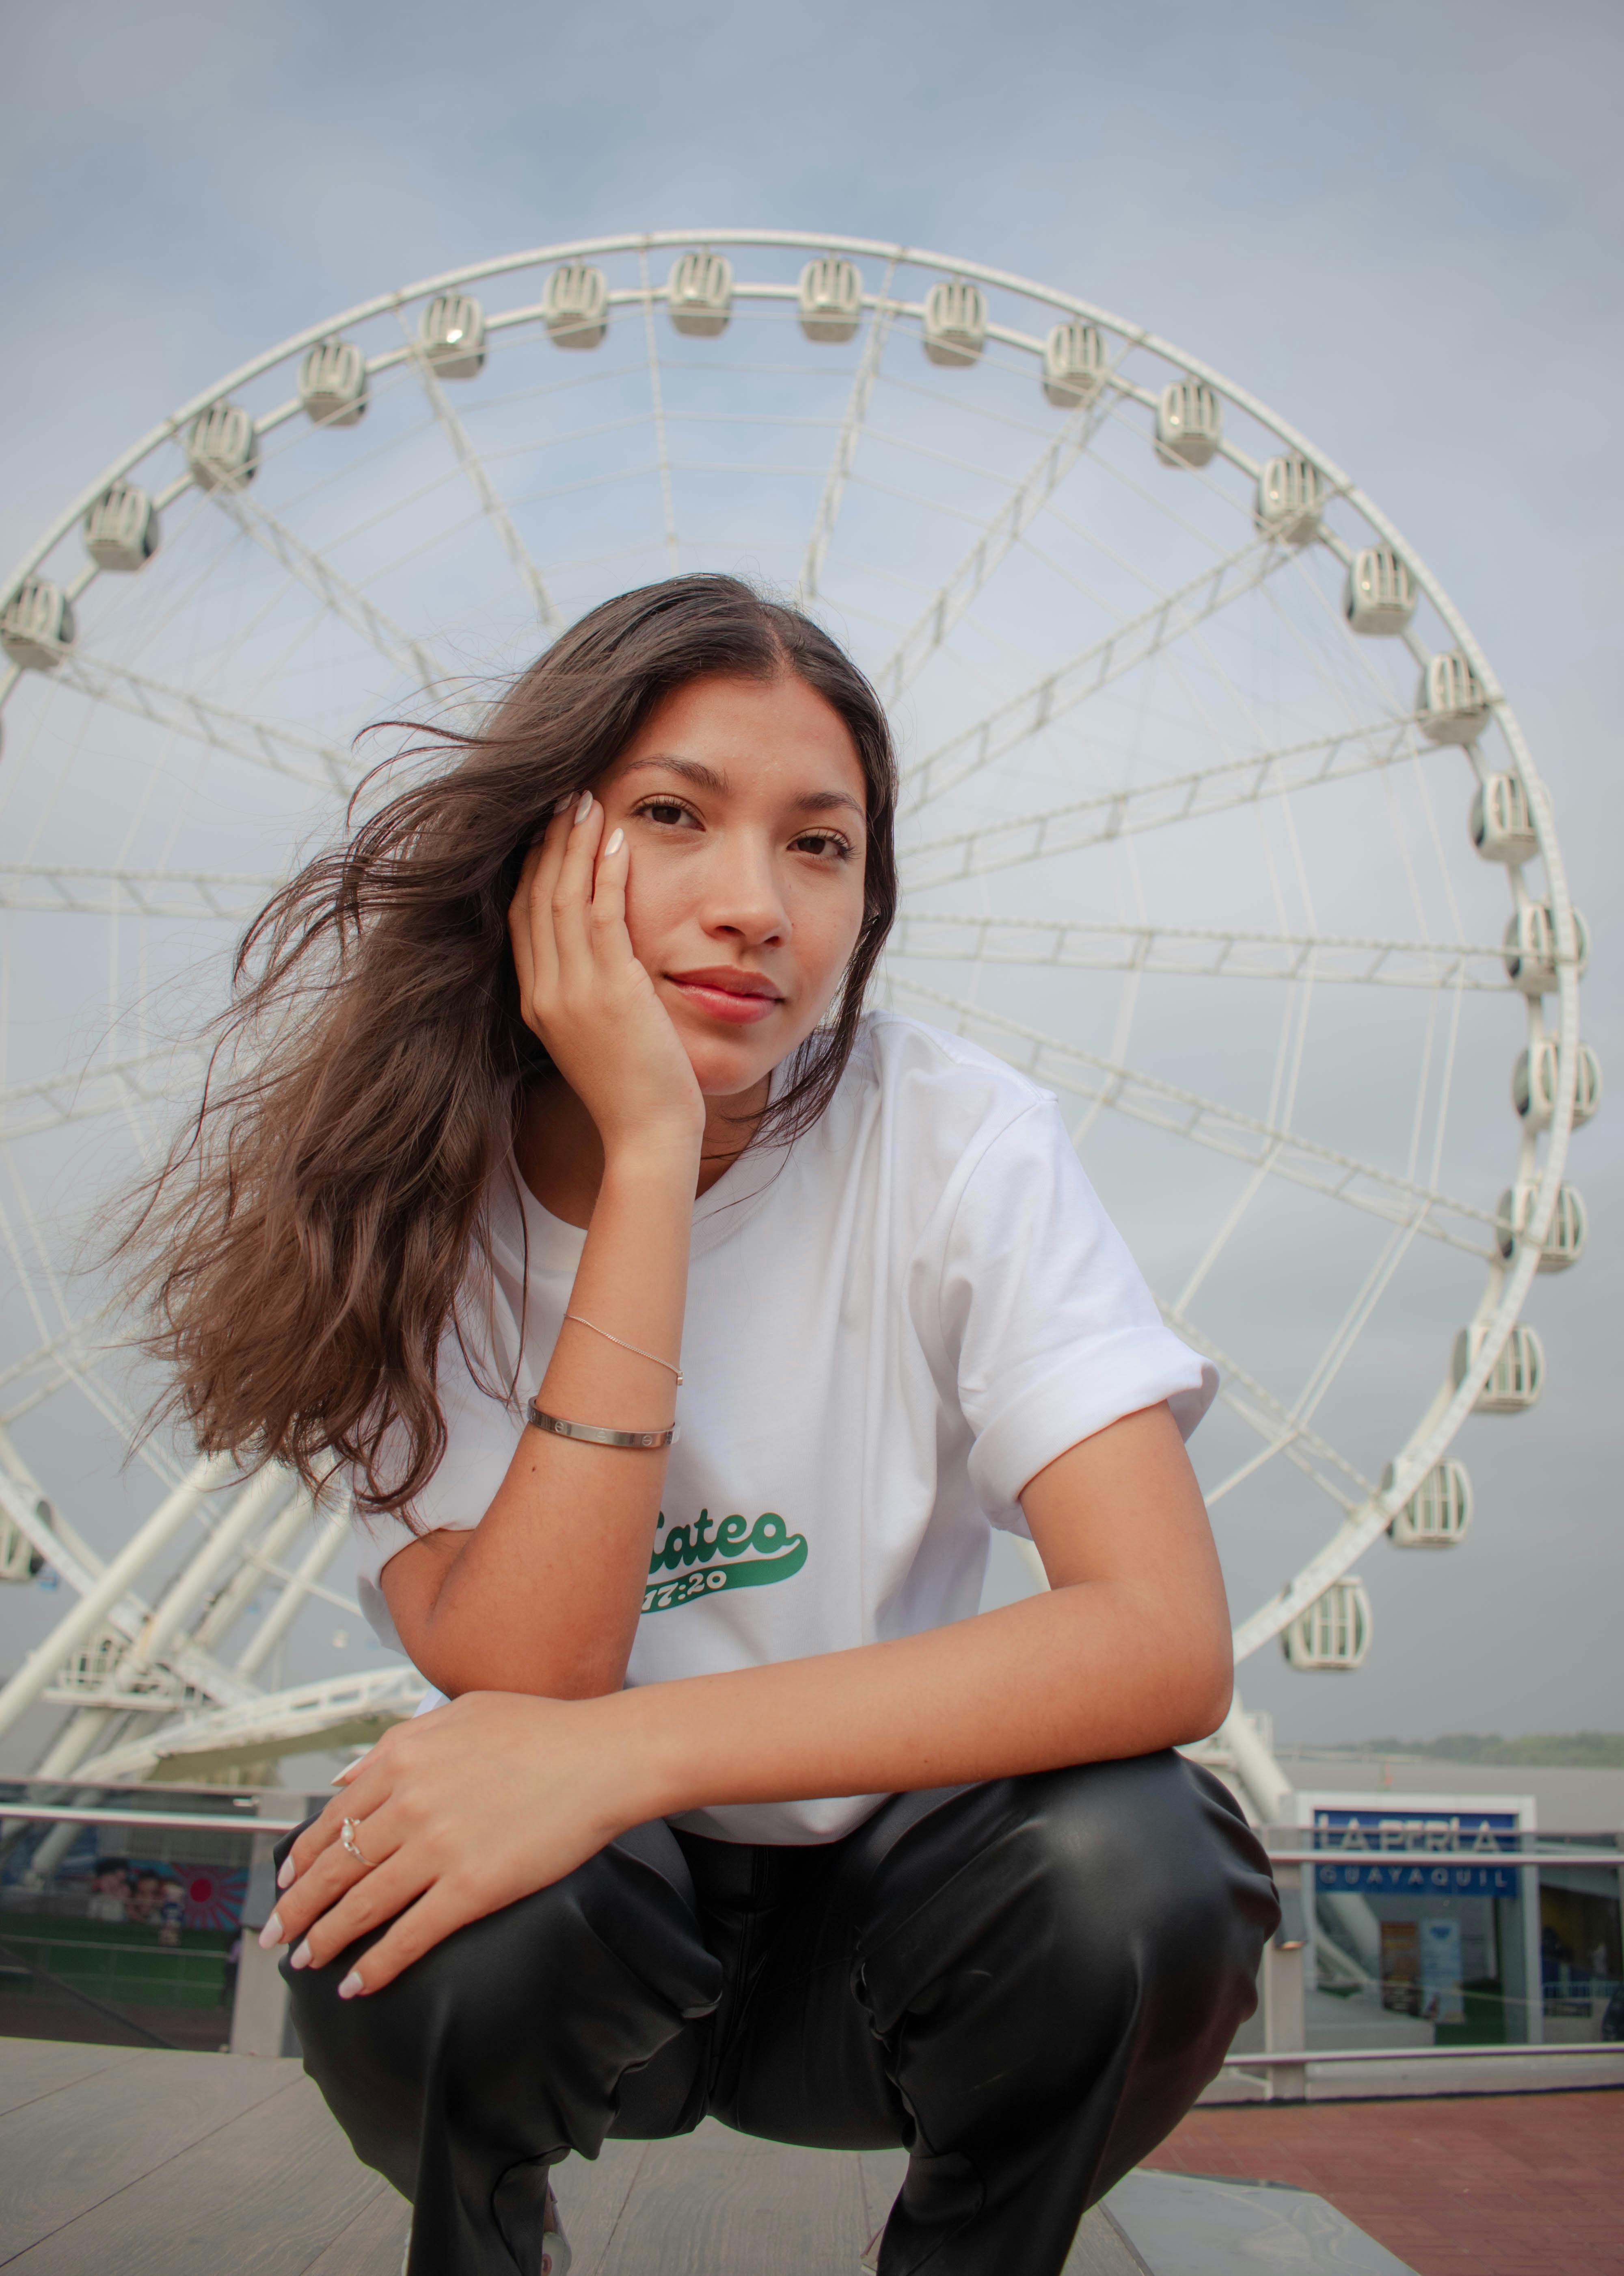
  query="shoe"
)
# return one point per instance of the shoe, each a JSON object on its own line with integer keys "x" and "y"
{"x": 556, "y": 2245}
{"x": 556, "y": 2248}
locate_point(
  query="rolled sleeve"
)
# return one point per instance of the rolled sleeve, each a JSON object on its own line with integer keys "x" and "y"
{"x": 1053, "y": 1331}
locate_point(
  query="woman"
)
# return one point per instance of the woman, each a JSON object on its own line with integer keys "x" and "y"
{"x": 681, "y": 1328}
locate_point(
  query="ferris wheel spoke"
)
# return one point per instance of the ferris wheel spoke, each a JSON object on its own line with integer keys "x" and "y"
{"x": 47, "y": 1354}
{"x": 1006, "y": 529}
{"x": 41, "y": 1393}
{"x": 56, "y": 889}
{"x": 1153, "y": 806}
{"x": 57, "y": 1364}
{"x": 346, "y": 601}
{"x": 83, "y": 1094}
{"x": 833, "y": 493}
{"x": 1199, "y": 952}
{"x": 178, "y": 711}
{"x": 1120, "y": 652}
{"x": 1281, "y": 1441}
{"x": 1283, "y": 1431}
{"x": 657, "y": 398}
{"x": 1209, "y": 1123}
{"x": 489, "y": 497}
{"x": 221, "y": 1613}
{"x": 72, "y": 1363}
{"x": 273, "y": 1568}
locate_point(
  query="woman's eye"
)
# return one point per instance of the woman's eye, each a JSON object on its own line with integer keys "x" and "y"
{"x": 668, "y": 810}
{"x": 826, "y": 844}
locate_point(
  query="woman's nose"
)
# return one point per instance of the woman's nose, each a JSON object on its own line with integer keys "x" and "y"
{"x": 745, "y": 900}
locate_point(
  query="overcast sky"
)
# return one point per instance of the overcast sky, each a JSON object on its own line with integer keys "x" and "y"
{"x": 1398, "y": 225}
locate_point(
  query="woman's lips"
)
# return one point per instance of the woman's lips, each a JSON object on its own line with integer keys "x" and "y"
{"x": 739, "y": 1007}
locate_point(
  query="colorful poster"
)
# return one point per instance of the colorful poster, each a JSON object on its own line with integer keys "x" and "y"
{"x": 170, "y": 1893}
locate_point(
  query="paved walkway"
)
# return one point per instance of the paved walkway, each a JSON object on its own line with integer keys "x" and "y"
{"x": 1492, "y": 2185}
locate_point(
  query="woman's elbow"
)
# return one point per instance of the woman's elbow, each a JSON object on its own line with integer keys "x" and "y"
{"x": 1205, "y": 1688}
{"x": 454, "y": 1668}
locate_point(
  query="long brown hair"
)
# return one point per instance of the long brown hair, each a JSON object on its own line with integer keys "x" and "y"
{"x": 306, "y": 1243}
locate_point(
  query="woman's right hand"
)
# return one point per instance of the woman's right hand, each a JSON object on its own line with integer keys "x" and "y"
{"x": 583, "y": 993}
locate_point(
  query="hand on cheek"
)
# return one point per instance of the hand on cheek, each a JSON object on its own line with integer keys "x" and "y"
{"x": 585, "y": 993}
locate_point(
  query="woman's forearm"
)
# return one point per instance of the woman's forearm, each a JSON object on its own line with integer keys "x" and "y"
{"x": 1082, "y": 1673}
{"x": 544, "y": 1594}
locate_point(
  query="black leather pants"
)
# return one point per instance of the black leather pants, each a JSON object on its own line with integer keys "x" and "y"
{"x": 1025, "y": 1983}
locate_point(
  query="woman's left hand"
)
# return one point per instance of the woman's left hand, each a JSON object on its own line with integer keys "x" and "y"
{"x": 457, "y": 1813}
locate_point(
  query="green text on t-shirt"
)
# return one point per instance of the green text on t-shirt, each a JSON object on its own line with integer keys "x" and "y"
{"x": 738, "y": 1555}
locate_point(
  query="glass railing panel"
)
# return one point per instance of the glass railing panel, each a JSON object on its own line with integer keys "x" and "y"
{"x": 118, "y": 1930}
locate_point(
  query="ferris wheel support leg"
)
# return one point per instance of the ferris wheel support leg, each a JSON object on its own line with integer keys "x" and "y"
{"x": 79, "y": 1737}
{"x": 1267, "y": 1785}
{"x": 218, "y": 1618}
{"x": 40, "y": 1668}
{"x": 192, "y": 1581}
{"x": 317, "y": 1558}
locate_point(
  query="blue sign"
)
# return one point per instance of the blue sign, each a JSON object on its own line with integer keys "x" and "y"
{"x": 1486, "y": 1830}
{"x": 1419, "y": 1878}
{"x": 1374, "y": 1836}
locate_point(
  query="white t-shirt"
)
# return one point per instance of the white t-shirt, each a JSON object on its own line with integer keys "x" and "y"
{"x": 891, "y": 1326}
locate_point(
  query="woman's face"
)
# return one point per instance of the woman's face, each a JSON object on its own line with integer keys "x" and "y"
{"x": 743, "y": 804}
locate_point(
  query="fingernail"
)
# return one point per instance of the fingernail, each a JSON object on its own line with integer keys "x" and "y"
{"x": 560, "y": 804}
{"x": 301, "y": 1958}
{"x": 271, "y": 1933}
{"x": 585, "y": 807}
{"x": 616, "y": 840}
{"x": 350, "y": 1984}
{"x": 288, "y": 1874}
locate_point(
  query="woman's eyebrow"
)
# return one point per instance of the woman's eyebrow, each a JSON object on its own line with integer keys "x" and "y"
{"x": 693, "y": 770}
{"x": 704, "y": 778}
{"x": 819, "y": 801}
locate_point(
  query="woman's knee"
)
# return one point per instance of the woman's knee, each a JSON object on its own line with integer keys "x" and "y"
{"x": 1129, "y": 1873}
{"x": 611, "y": 1948}
{"x": 473, "y": 1990}
{"x": 1150, "y": 1860}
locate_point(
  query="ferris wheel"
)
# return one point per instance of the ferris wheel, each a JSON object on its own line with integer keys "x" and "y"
{"x": 1214, "y": 820}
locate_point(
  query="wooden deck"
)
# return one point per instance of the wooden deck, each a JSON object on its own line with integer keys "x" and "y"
{"x": 150, "y": 2164}
{"x": 133, "y": 2161}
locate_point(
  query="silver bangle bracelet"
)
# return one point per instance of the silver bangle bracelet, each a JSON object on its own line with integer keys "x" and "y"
{"x": 594, "y": 1433}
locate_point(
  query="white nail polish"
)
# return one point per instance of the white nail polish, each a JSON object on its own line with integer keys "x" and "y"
{"x": 271, "y": 1933}
{"x": 616, "y": 840}
{"x": 560, "y": 804}
{"x": 350, "y": 1986}
{"x": 288, "y": 1875}
{"x": 585, "y": 807}
{"x": 301, "y": 1958}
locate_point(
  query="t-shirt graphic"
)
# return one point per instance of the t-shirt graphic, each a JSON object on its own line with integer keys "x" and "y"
{"x": 738, "y": 1555}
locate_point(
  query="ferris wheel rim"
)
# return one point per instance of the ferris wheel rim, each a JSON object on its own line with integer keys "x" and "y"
{"x": 1506, "y": 1286}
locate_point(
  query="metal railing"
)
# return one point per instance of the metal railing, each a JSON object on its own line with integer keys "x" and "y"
{"x": 1286, "y": 2060}
{"x": 249, "y": 1815}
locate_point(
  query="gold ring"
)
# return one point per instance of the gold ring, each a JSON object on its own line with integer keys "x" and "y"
{"x": 347, "y": 1839}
